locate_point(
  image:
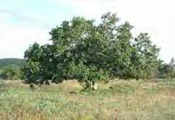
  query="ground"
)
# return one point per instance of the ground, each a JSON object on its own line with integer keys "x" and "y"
{"x": 116, "y": 100}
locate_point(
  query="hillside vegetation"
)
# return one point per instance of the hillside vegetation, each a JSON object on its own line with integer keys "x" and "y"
{"x": 121, "y": 100}
{"x": 10, "y": 68}
{"x": 10, "y": 62}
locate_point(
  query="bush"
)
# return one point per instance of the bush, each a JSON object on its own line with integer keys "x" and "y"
{"x": 11, "y": 73}
{"x": 166, "y": 71}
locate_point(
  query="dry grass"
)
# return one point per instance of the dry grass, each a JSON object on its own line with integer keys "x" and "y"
{"x": 116, "y": 100}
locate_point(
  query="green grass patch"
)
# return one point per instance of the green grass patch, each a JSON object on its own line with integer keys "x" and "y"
{"x": 121, "y": 100}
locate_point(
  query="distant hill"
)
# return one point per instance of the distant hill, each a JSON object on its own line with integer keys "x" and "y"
{"x": 10, "y": 62}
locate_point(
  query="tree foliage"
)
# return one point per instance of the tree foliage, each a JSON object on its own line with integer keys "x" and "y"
{"x": 84, "y": 50}
{"x": 167, "y": 70}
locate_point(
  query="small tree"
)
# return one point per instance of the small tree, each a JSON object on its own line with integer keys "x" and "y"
{"x": 167, "y": 70}
{"x": 146, "y": 57}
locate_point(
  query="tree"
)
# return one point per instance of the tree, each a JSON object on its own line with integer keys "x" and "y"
{"x": 89, "y": 52}
{"x": 32, "y": 69}
{"x": 167, "y": 70}
{"x": 146, "y": 57}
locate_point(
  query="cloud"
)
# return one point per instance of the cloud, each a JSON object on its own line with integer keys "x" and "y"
{"x": 22, "y": 19}
{"x": 16, "y": 39}
{"x": 5, "y": 11}
{"x": 16, "y": 15}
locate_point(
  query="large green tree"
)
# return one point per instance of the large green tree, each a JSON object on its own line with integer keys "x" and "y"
{"x": 84, "y": 50}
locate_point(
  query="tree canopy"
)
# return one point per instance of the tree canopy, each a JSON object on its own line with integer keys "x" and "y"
{"x": 84, "y": 50}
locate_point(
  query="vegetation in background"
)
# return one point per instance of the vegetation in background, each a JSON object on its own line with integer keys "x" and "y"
{"x": 88, "y": 52}
{"x": 10, "y": 62}
{"x": 167, "y": 70}
{"x": 11, "y": 73}
{"x": 11, "y": 68}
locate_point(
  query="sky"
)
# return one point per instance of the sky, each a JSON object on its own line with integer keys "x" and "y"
{"x": 23, "y": 22}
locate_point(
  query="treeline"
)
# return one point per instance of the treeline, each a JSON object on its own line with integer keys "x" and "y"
{"x": 10, "y": 68}
{"x": 167, "y": 70}
{"x": 10, "y": 62}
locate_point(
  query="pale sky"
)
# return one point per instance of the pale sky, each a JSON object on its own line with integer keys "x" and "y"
{"x": 23, "y": 22}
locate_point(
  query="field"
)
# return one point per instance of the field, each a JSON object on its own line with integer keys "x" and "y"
{"x": 116, "y": 100}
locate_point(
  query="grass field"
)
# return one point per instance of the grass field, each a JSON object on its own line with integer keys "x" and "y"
{"x": 121, "y": 100}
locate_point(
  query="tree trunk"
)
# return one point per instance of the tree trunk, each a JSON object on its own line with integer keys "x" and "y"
{"x": 91, "y": 85}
